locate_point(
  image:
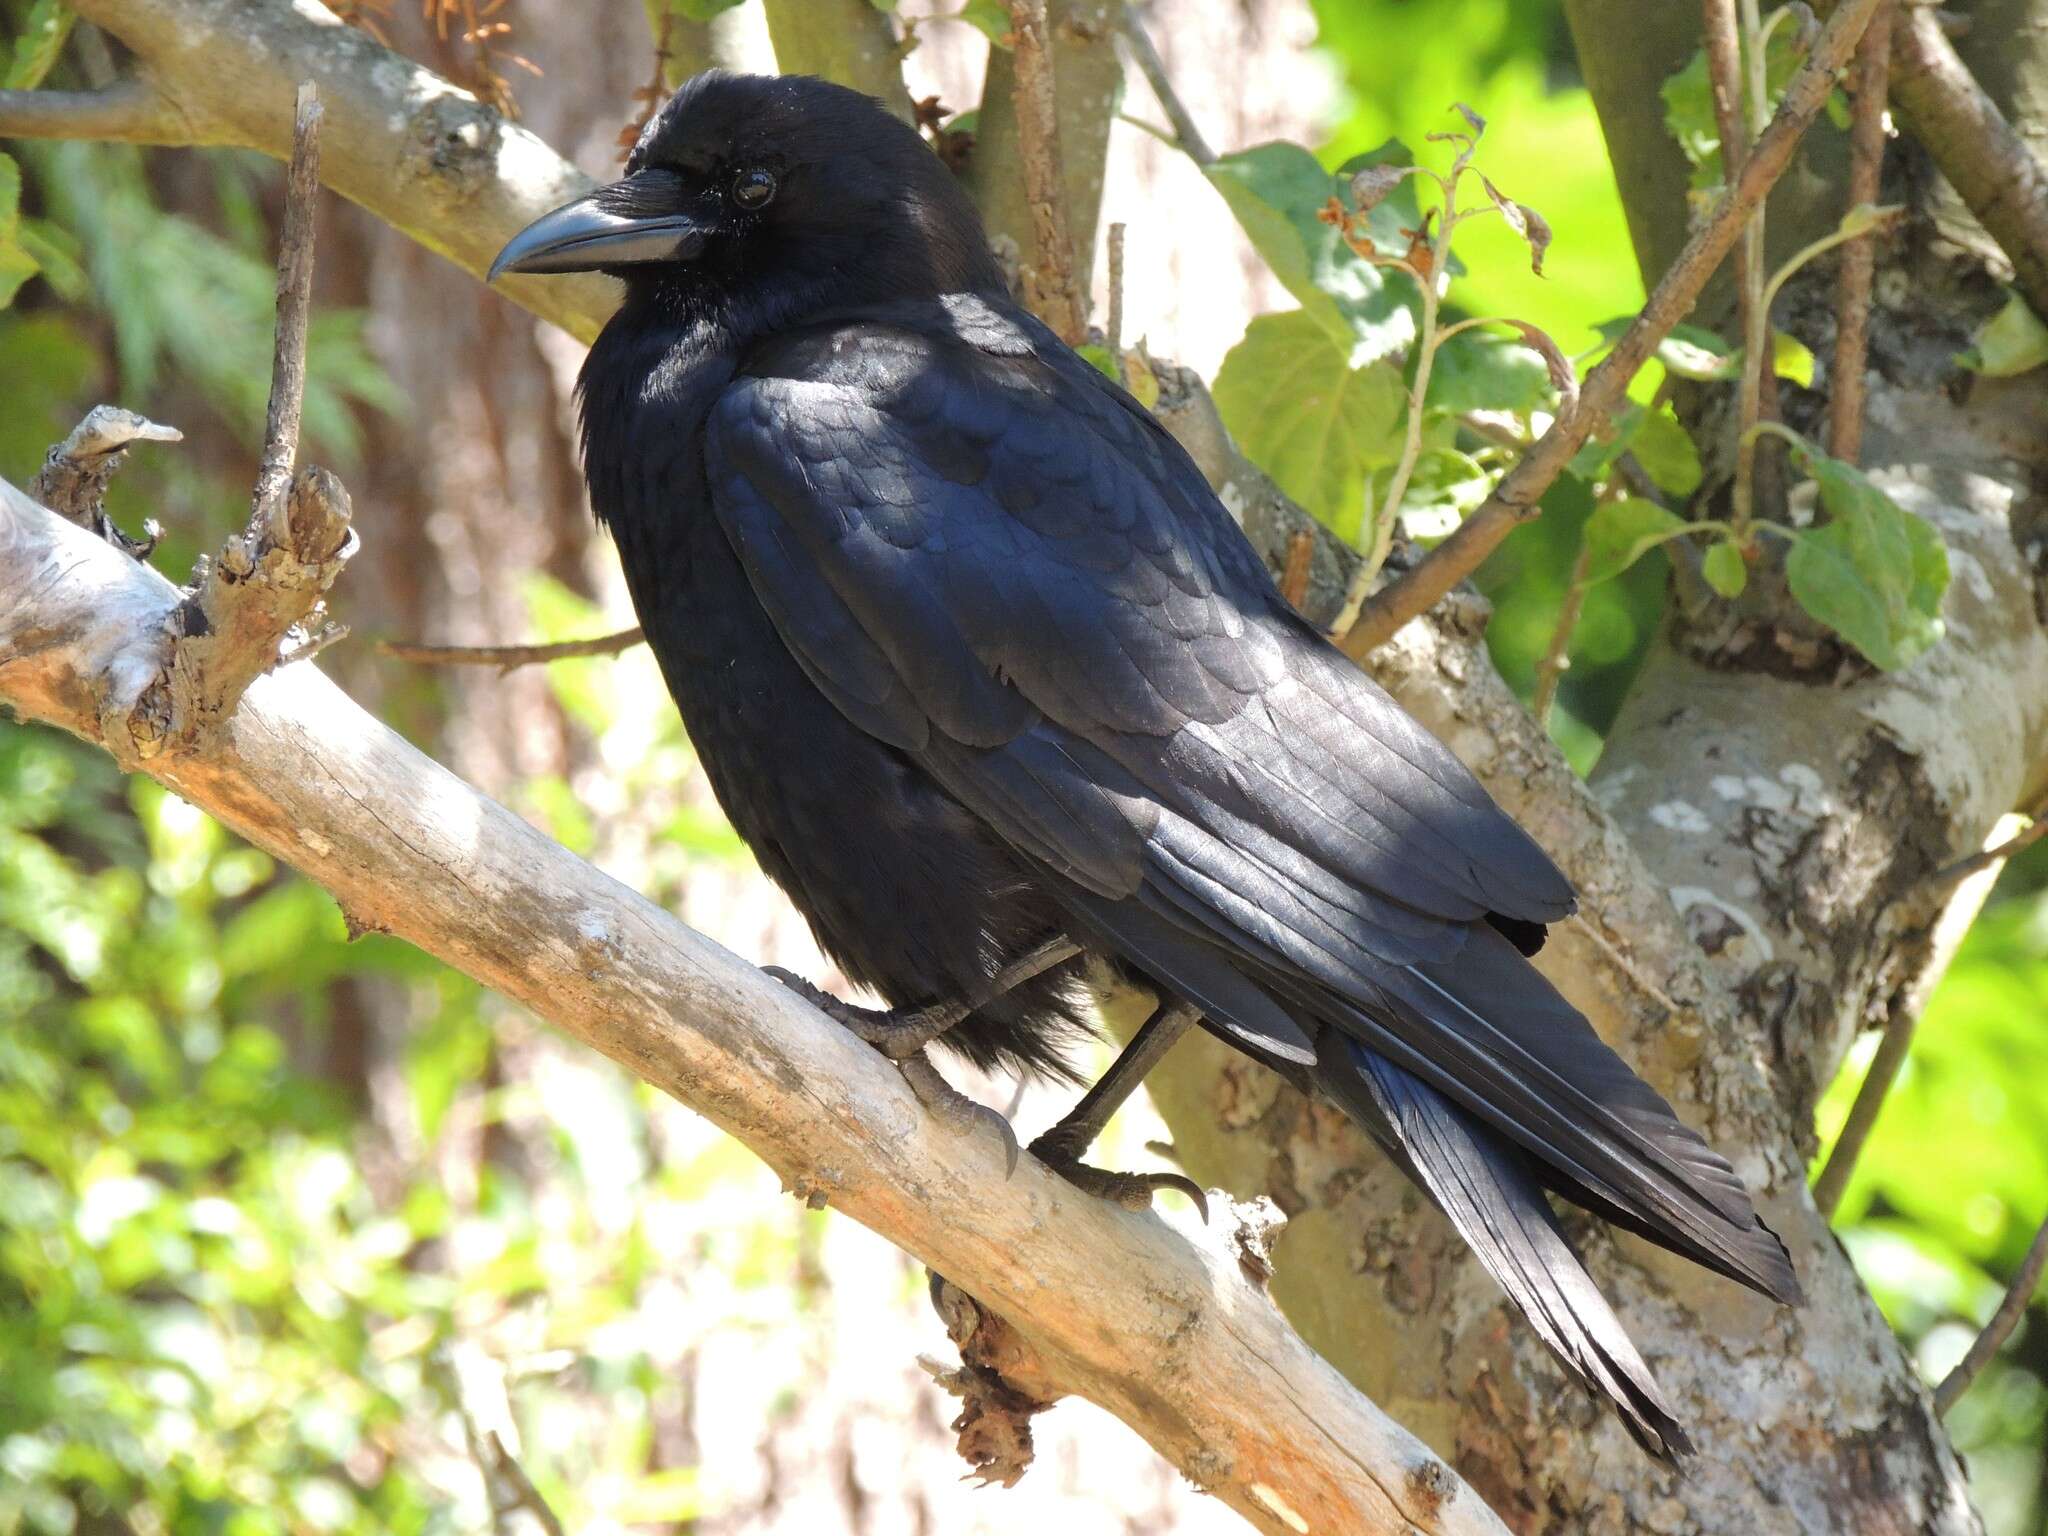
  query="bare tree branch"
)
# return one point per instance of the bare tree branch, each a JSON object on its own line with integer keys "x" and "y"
{"x": 420, "y": 153}
{"x": 1153, "y": 68}
{"x": 74, "y": 476}
{"x": 1050, "y": 287}
{"x": 1519, "y": 495}
{"x": 294, "y": 308}
{"x": 1997, "y": 176}
{"x": 484, "y": 1404}
{"x": 1859, "y": 257}
{"x": 1116, "y": 1305}
{"x": 1988, "y": 1343}
{"x": 128, "y": 111}
{"x": 507, "y": 657}
{"x": 1959, "y": 892}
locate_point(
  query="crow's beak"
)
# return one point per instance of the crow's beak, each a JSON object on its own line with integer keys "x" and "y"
{"x": 604, "y": 230}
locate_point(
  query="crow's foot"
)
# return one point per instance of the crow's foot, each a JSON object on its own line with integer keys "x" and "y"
{"x": 898, "y": 1033}
{"x": 1133, "y": 1191}
{"x": 901, "y": 1034}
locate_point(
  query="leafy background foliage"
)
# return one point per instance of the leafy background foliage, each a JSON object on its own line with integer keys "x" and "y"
{"x": 234, "y": 1257}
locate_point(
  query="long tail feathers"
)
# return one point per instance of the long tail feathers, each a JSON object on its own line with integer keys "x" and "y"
{"x": 1492, "y": 1196}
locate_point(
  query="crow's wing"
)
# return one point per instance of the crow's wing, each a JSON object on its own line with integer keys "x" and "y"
{"x": 992, "y": 560}
{"x": 963, "y": 541}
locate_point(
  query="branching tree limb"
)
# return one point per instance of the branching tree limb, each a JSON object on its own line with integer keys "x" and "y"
{"x": 421, "y": 154}
{"x": 1994, "y": 172}
{"x": 1519, "y": 495}
{"x": 1167, "y": 1332}
{"x": 2011, "y": 1308}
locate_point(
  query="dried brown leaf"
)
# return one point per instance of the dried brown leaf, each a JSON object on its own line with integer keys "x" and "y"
{"x": 1524, "y": 221}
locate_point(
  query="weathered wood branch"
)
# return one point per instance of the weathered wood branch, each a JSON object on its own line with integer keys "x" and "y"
{"x": 1086, "y": 79}
{"x": 420, "y": 153}
{"x": 1164, "y": 1330}
{"x": 1998, "y": 177}
{"x": 1050, "y": 287}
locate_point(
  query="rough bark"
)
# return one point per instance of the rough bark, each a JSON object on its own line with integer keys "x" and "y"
{"x": 1110, "y": 1304}
{"x": 849, "y": 41}
{"x": 1087, "y": 76}
{"x": 420, "y": 153}
{"x": 1788, "y": 804}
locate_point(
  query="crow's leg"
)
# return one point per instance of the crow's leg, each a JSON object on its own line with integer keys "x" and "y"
{"x": 901, "y": 1034}
{"x": 1060, "y": 1148}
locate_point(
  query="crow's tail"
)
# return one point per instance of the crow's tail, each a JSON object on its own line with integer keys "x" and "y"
{"x": 1490, "y": 1192}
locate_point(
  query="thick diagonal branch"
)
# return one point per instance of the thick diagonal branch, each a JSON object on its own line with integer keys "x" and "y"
{"x": 1166, "y": 1332}
{"x": 1993, "y": 171}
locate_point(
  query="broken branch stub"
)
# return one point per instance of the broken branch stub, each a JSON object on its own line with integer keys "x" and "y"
{"x": 259, "y": 603}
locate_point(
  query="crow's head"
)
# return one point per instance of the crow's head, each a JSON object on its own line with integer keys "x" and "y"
{"x": 781, "y": 194}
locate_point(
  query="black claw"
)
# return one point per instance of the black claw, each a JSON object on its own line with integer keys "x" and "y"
{"x": 1133, "y": 1191}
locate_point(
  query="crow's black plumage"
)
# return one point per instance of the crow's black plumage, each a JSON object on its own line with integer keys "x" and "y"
{"x": 974, "y": 658}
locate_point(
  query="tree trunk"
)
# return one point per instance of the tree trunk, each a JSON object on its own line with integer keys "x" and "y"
{"x": 1791, "y": 805}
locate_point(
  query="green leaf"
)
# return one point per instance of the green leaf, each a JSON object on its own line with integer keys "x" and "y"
{"x": 56, "y": 255}
{"x": 1474, "y": 371}
{"x": 991, "y": 18}
{"x": 1445, "y": 485}
{"x": 1873, "y": 573}
{"x": 1306, "y": 417}
{"x": 1138, "y": 376}
{"x": 2013, "y": 341}
{"x": 1277, "y": 192}
{"x": 1689, "y": 102}
{"x": 35, "y": 51}
{"x": 1792, "y": 359}
{"x": 17, "y": 266}
{"x": 1694, "y": 352}
{"x": 1619, "y": 533}
{"x": 1690, "y": 351}
{"x": 702, "y": 10}
{"x": 1666, "y": 452}
{"x": 1725, "y": 569}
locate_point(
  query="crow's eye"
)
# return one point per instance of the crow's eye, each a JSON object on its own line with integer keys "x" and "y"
{"x": 753, "y": 189}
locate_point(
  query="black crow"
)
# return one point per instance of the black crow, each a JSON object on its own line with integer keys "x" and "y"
{"x": 990, "y": 682}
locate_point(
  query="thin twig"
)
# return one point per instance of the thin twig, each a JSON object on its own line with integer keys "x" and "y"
{"x": 1757, "y": 365}
{"x": 294, "y": 309}
{"x": 1153, "y": 68}
{"x": 1557, "y": 657}
{"x": 1961, "y": 889}
{"x": 1892, "y": 1048}
{"x": 261, "y": 598}
{"x": 1301, "y": 559}
{"x": 1113, "y": 331}
{"x": 1859, "y": 260}
{"x": 128, "y": 111}
{"x": 1519, "y": 495}
{"x": 2012, "y": 847}
{"x": 1723, "y": 47}
{"x": 1997, "y": 176}
{"x": 506, "y": 657}
{"x": 1053, "y": 291}
{"x": 1999, "y": 1329}
{"x": 483, "y": 1402}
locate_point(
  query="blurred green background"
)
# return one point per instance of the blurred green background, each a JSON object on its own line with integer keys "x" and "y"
{"x": 241, "y": 1229}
